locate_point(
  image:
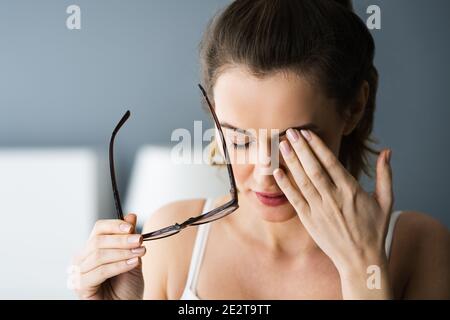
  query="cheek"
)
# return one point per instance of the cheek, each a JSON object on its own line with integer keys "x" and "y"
{"x": 332, "y": 141}
{"x": 242, "y": 173}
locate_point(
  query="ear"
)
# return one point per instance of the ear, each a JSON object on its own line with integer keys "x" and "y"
{"x": 356, "y": 110}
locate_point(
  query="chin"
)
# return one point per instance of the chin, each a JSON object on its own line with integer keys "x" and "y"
{"x": 277, "y": 215}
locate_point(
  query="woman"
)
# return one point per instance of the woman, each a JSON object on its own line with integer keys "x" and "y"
{"x": 307, "y": 230}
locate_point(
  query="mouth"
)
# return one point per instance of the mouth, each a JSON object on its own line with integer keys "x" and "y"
{"x": 271, "y": 199}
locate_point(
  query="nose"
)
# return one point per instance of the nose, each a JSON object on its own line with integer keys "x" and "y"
{"x": 267, "y": 158}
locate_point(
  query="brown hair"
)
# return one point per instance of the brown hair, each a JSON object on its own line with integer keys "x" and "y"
{"x": 323, "y": 40}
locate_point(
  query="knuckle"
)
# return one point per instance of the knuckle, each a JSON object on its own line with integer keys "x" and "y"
{"x": 304, "y": 183}
{"x": 301, "y": 205}
{"x": 351, "y": 189}
{"x": 97, "y": 225}
{"x": 97, "y": 255}
{"x": 331, "y": 162}
{"x": 126, "y": 254}
{"x": 284, "y": 183}
{"x": 126, "y": 241}
{"x": 317, "y": 174}
{"x": 290, "y": 159}
{"x": 334, "y": 203}
{"x": 103, "y": 271}
{"x": 95, "y": 242}
{"x": 117, "y": 267}
{"x": 298, "y": 203}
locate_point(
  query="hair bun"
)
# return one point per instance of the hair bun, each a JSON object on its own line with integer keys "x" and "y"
{"x": 346, "y": 3}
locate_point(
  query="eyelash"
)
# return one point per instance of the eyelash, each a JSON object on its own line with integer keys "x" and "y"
{"x": 237, "y": 146}
{"x": 241, "y": 146}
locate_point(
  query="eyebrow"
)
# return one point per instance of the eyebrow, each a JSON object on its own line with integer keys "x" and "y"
{"x": 307, "y": 126}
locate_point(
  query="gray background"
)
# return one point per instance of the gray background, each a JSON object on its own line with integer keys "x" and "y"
{"x": 68, "y": 88}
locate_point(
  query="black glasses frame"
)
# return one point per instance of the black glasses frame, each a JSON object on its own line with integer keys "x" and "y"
{"x": 207, "y": 217}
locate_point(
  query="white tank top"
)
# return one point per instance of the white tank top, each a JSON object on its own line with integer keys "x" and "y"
{"x": 190, "y": 292}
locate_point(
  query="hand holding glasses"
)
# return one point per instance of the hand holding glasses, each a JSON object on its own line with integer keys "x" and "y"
{"x": 210, "y": 216}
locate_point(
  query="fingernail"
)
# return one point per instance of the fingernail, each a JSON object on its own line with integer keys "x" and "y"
{"x": 132, "y": 260}
{"x": 306, "y": 134}
{"x": 138, "y": 250}
{"x": 285, "y": 149}
{"x": 278, "y": 174}
{"x": 292, "y": 135}
{"x": 135, "y": 238}
{"x": 125, "y": 227}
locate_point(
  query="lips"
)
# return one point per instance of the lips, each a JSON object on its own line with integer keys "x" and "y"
{"x": 271, "y": 199}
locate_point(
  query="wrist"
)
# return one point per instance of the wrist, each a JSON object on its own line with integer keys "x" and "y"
{"x": 366, "y": 276}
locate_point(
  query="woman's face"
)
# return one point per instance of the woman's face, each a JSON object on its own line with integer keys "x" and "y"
{"x": 258, "y": 106}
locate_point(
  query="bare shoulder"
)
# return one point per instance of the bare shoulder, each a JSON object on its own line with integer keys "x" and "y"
{"x": 173, "y": 212}
{"x": 422, "y": 248}
{"x": 166, "y": 263}
{"x": 422, "y": 229}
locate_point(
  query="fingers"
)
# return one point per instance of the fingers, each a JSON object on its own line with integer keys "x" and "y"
{"x": 113, "y": 234}
{"x": 292, "y": 194}
{"x": 328, "y": 160}
{"x": 317, "y": 175}
{"x": 106, "y": 256}
{"x": 106, "y": 271}
{"x": 298, "y": 173}
{"x": 383, "y": 187}
{"x": 112, "y": 249}
{"x": 131, "y": 218}
{"x": 115, "y": 241}
{"x": 112, "y": 226}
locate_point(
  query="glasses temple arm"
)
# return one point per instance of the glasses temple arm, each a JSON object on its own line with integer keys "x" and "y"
{"x": 117, "y": 201}
{"x": 224, "y": 147}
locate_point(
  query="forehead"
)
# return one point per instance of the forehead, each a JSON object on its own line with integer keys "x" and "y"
{"x": 278, "y": 100}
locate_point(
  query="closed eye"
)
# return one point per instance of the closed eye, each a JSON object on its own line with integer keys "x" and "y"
{"x": 241, "y": 145}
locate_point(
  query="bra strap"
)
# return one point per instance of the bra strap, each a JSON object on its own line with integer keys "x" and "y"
{"x": 390, "y": 233}
{"x": 199, "y": 248}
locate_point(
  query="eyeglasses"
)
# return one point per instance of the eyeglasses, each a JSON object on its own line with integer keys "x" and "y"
{"x": 207, "y": 217}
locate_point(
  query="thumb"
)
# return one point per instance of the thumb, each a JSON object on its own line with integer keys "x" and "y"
{"x": 383, "y": 188}
{"x": 131, "y": 218}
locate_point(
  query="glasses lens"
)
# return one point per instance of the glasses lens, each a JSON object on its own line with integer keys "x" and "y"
{"x": 166, "y": 232}
{"x": 216, "y": 216}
